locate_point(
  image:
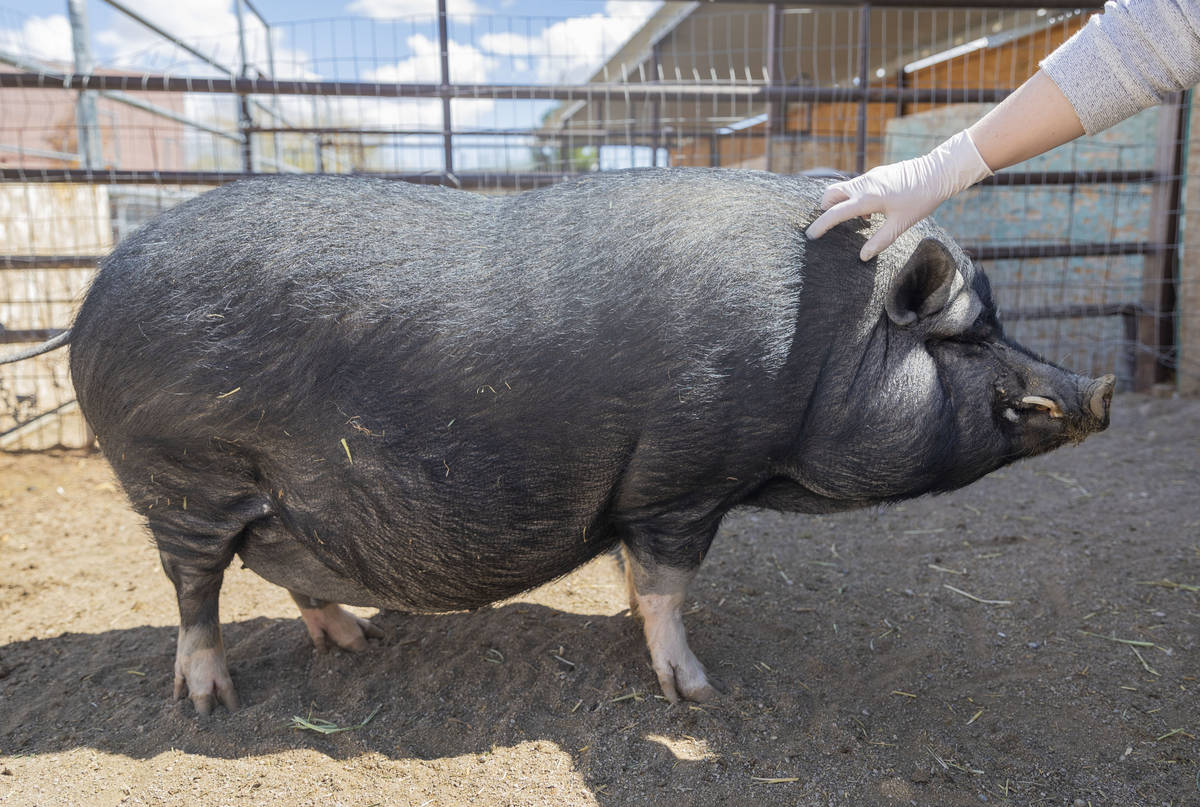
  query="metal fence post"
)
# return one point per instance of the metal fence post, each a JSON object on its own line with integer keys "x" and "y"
{"x": 244, "y": 119}
{"x": 444, "y": 47}
{"x": 278, "y": 155}
{"x": 87, "y": 124}
{"x": 864, "y": 76}
{"x": 1156, "y": 323}
{"x": 655, "y": 104}
{"x": 774, "y": 68}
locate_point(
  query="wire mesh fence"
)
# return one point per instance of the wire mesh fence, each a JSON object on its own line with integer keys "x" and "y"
{"x": 100, "y": 131}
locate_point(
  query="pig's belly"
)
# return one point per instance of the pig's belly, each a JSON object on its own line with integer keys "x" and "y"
{"x": 271, "y": 552}
{"x": 492, "y": 570}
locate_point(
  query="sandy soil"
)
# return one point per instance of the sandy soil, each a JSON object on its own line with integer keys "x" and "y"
{"x": 853, "y": 673}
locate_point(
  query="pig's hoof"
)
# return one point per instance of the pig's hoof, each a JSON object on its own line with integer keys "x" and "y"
{"x": 203, "y": 675}
{"x": 686, "y": 681}
{"x": 332, "y": 622}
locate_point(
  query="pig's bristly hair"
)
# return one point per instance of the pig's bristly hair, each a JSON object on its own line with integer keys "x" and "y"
{"x": 449, "y": 398}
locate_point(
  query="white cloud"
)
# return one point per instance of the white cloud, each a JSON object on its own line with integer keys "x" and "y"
{"x": 420, "y": 9}
{"x": 46, "y": 39}
{"x": 209, "y": 26}
{"x": 468, "y": 64}
{"x": 572, "y": 49}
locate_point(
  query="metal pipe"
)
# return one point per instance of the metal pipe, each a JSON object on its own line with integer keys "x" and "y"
{"x": 49, "y": 261}
{"x": 243, "y": 107}
{"x": 864, "y": 78}
{"x": 134, "y": 177}
{"x": 1022, "y": 178}
{"x": 542, "y": 134}
{"x": 1056, "y": 4}
{"x": 113, "y": 176}
{"x": 163, "y": 112}
{"x": 670, "y": 91}
{"x": 655, "y": 103}
{"x": 1156, "y": 324}
{"x": 87, "y": 122}
{"x": 1088, "y": 249}
{"x": 773, "y": 68}
{"x": 1076, "y": 311}
{"x": 444, "y": 54}
{"x": 258, "y": 14}
{"x": 270, "y": 67}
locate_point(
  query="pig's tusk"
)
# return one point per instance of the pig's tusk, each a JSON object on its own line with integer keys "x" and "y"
{"x": 1043, "y": 403}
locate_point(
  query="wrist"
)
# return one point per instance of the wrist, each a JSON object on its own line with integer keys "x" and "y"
{"x": 959, "y": 164}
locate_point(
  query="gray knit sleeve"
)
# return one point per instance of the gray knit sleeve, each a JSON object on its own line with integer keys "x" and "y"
{"x": 1127, "y": 59}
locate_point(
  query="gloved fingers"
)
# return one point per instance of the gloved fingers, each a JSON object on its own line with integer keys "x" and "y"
{"x": 842, "y": 211}
{"x": 883, "y": 238}
{"x": 837, "y": 192}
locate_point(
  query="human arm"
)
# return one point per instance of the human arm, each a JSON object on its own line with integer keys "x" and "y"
{"x": 1122, "y": 61}
{"x": 908, "y": 191}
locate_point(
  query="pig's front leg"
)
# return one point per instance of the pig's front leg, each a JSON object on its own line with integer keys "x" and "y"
{"x": 656, "y": 592}
{"x": 328, "y": 620}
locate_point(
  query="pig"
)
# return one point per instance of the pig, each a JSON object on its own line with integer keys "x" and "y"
{"x": 424, "y": 399}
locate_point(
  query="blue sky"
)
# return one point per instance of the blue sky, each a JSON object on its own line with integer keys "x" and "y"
{"x": 491, "y": 42}
{"x": 495, "y": 40}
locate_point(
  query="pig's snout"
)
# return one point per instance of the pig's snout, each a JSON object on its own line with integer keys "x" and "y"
{"x": 1094, "y": 396}
{"x": 1097, "y": 397}
{"x": 1055, "y": 408}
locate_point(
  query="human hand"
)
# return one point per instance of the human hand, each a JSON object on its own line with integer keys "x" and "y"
{"x": 905, "y": 192}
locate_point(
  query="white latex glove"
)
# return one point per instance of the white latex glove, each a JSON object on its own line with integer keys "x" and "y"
{"x": 905, "y": 192}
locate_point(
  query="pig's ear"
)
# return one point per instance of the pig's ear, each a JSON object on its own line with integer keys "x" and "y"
{"x": 923, "y": 286}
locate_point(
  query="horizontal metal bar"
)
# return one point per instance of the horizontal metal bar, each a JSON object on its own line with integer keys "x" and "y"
{"x": 1058, "y": 4}
{"x": 1001, "y": 252}
{"x": 666, "y": 91}
{"x": 115, "y": 177}
{"x": 1021, "y": 178}
{"x": 1076, "y": 311}
{"x": 604, "y": 136}
{"x": 508, "y": 180}
{"x": 49, "y": 261}
{"x": 29, "y": 335}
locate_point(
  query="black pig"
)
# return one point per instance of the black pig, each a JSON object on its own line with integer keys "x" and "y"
{"x": 424, "y": 399}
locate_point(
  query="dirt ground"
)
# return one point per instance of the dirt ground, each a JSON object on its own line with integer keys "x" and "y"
{"x": 853, "y": 673}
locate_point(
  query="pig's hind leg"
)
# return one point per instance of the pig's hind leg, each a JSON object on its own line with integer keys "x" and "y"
{"x": 656, "y": 592}
{"x": 273, "y": 553}
{"x": 328, "y": 620}
{"x": 201, "y": 671}
{"x": 197, "y": 505}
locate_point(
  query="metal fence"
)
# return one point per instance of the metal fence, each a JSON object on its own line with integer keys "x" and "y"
{"x": 1082, "y": 245}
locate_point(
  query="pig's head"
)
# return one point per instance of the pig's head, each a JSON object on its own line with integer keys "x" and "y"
{"x": 924, "y": 393}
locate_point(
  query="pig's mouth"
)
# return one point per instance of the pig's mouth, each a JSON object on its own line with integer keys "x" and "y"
{"x": 1037, "y": 402}
{"x": 1050, "y": 420}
